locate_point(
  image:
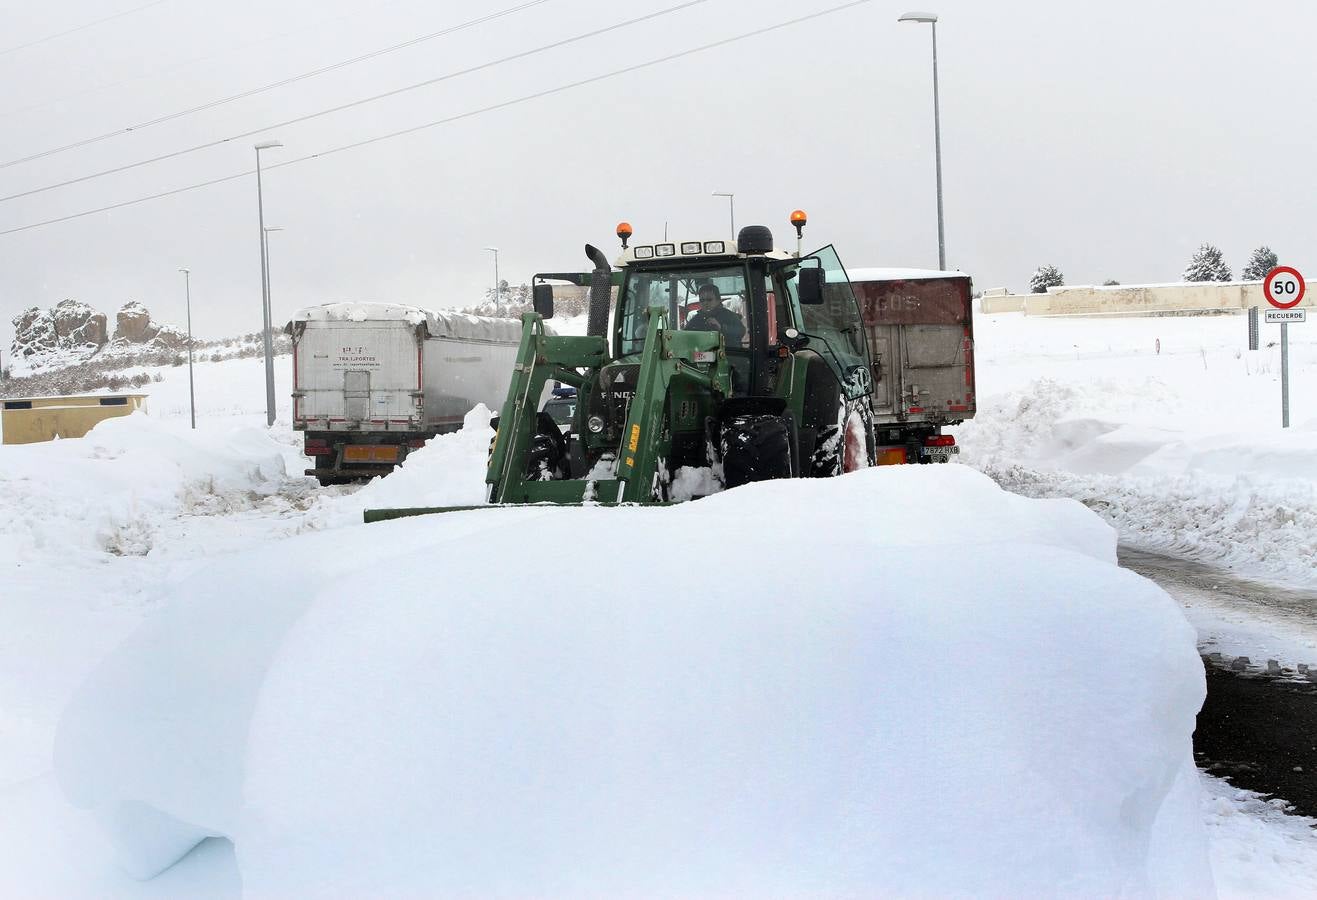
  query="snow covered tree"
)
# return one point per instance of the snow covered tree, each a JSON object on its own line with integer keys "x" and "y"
{"x": 1045, "y": 277}
{"x": 1207, "y": 265}
{"x": 1262, "y": 261}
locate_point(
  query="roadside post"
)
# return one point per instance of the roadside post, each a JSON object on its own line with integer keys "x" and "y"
{"x": 1284, "y": 287}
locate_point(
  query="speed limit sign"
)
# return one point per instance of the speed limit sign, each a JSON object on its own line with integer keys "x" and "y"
{"x": 1284, "y": 287}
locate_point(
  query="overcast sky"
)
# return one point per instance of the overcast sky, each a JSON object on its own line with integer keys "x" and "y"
{"x": 1108, "y": 139}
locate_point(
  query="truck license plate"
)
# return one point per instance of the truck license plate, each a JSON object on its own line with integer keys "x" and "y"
{"x": 941, "y": 451}
{"x": 370, "y": 454}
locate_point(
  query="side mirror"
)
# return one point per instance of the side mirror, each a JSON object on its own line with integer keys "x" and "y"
{"x": 810, "y": 286}
{"x": 542, "y": 300}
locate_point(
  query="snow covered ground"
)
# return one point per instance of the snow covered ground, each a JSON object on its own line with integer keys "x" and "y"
{"x": 395, "y": 709}
{"x": 1181, "y": 450}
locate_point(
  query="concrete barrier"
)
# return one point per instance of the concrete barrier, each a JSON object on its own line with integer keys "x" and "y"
{"x": 27, "y": 420}
{"x": 1002, "y": 303}
{"x": 1136, "y": 299}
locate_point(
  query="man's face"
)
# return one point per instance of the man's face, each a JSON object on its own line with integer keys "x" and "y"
{"x": 709, "y": 298}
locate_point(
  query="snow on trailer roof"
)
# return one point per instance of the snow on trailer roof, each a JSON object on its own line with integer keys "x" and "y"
{"x": 885, "y": 273}
{"x": 440, "y": 324}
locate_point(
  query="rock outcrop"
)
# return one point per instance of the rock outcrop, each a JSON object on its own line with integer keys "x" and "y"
{"x": 34, "y": 332}
{"x": 72, "y": 330}
{"x": 78, "y": 325}
{"x": 133, "y": 323}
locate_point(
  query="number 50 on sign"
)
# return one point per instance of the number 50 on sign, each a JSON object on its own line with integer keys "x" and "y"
{"x": 1284, "y": 287}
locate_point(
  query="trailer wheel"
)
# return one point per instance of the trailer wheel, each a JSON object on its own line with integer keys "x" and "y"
{"x": 756, "y": 448}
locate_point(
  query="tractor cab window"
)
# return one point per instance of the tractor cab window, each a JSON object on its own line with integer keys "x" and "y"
{"x": 834, "y": 327}
{"x": 706, "y": 299}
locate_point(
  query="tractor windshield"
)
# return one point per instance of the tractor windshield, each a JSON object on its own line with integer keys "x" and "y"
{"x": 835, "y": 324}
{"x": 704, "y": 299}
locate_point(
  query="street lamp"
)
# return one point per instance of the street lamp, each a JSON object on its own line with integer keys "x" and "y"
{"x": 931, "y": 19}
{"x": 731, "y": 207}
{"x": 265, "y": 288}
{"x": 498, "y": 293}
{"x": 269, "y": 296}
{"x": 191, "y": 394}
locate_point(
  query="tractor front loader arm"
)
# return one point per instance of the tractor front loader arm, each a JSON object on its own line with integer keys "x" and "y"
{"x": 696, "y": 356}
{"x": 540, "y": 358}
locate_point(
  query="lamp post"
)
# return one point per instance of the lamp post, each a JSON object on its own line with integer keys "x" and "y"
{"x": 269, "y": 277}
{"x": 731, "y": 207}
{"x": 931, "y": 19}
{"x": 191, "y": 393}
{"x": 265, "y": 288}
{"x": 498, "y": 292}
{"x": 269, "y": 314}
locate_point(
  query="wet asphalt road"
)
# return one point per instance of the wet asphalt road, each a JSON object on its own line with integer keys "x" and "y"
{"x": 1257, "y": 731}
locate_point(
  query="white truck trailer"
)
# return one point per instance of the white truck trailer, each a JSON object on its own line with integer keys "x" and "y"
{"x": 373, "y": 381}
{"x": 920, "y": 329}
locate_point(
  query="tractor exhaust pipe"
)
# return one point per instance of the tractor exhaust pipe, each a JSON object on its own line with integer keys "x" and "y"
{"x": 601, "y": 293}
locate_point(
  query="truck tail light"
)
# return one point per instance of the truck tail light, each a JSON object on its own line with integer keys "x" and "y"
{"x": 416, "y": 444}
{"x": 940, "y": 440}
{"x": 317, "y": 447}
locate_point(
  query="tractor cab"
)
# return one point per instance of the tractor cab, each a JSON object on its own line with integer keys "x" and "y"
{"x": 752, "y": 295}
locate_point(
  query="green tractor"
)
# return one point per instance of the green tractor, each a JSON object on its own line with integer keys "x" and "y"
{"x": 716, "y": 365}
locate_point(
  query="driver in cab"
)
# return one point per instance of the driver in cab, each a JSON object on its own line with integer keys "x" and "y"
{"x": 713, "y": 316}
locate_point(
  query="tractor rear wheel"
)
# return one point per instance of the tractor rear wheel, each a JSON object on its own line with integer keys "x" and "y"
{"x": 756, "y": 448}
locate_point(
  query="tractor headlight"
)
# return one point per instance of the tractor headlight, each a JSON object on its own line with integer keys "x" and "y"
{"x": 595, "y": 424}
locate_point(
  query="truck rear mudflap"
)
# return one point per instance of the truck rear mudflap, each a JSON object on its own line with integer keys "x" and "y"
{"x": 348, "y": 474}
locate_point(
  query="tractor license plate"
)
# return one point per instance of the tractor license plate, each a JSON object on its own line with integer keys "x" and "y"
{"x": 370, "y": 454}
{"x": 940, "y": 451}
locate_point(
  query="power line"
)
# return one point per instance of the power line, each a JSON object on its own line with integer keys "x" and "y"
{"x": 345, "y": 106}
{"x": 141, "y": 126}
{"x": 466, "y": 115}
{"x": 51, "y": 37}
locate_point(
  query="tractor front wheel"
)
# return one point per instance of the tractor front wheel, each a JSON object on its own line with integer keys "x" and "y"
{"x": 756, "y": 448}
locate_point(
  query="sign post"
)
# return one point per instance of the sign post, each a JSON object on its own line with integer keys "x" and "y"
{"x": 1284, "y": 287}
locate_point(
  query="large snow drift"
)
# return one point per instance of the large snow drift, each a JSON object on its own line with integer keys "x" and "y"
{"x": 784, "y": 689}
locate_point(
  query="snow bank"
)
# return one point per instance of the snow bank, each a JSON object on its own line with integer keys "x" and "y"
{"x": 778, "y": 690}
{"x": 448, "y": 471}
{"x": 1236, "y": 500}
{"x": 106, "y": 491}
{"x": 1180, "y": 449}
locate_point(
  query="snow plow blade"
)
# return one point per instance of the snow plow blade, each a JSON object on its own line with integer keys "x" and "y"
{"x": 383, "y": 515}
